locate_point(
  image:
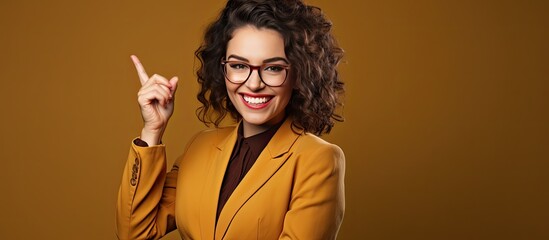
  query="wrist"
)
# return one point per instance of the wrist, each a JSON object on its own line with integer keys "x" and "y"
{"x": 151, "y": 137}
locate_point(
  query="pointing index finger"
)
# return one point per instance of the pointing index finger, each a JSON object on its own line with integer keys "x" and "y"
{"x": 143, "y": 77}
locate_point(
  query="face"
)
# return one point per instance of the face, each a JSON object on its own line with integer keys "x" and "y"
{"x": 260, "y": 105}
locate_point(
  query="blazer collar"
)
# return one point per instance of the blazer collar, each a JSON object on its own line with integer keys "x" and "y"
{"x": 267, "y": 164}
{"x": 280, "y": 144}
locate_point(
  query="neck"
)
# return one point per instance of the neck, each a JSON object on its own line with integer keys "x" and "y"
{"x": 250, "y": 129}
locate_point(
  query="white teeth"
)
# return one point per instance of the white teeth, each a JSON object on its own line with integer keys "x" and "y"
{"x": 254, "y": 100}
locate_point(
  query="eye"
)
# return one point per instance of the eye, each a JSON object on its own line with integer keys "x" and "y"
{"x": 273, "y": 68}
{"x": 238, "y": 65}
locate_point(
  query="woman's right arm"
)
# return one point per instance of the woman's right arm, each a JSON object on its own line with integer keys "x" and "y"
{"x": 145, "y": 208}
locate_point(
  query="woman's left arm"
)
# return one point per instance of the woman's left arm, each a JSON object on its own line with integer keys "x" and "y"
{"x": 318, "y": 198}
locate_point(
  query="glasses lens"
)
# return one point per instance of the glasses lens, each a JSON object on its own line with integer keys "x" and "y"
{"x": 273, "y": 75}
{"x": 237, "y": 72}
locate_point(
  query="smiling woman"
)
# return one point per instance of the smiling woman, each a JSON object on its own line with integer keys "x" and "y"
{"x": 261, "y": 105}
{"x": 271, "y": 65}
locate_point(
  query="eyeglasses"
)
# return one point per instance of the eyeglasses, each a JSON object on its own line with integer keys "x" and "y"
{"x": 273, "y": 75}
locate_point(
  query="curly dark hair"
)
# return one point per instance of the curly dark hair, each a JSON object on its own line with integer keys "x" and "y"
{"x": 309, "y": 45}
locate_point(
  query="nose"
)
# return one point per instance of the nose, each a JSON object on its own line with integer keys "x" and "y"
{"x": 254, "y": 82}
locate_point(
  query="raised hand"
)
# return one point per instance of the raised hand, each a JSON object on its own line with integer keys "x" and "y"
{"x": 156, "y": 100}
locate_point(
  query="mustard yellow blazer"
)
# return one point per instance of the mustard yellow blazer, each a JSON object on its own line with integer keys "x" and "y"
{"x": 294, "y": 190}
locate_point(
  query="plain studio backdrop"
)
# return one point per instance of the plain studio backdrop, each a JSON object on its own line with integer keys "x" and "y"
{"x": 446, "y": 133}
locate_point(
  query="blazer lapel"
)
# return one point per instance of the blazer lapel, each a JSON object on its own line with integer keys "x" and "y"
{"x": 269, "y": 161}
{"x": 212, "y": 187}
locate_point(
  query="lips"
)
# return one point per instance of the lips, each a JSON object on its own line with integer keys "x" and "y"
{"x": 256, "y": 101}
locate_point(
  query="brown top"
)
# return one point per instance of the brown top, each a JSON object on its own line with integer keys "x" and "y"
{"x": 245, "y": 152}
{"x": 140, "y": 142}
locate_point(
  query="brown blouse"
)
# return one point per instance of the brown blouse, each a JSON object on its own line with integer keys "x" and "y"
{"x": 245, "y": 152}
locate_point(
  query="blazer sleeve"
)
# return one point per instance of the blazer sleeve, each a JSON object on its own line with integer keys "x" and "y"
{"x": 146, "y": 198}
{"x": 318, "y": 200}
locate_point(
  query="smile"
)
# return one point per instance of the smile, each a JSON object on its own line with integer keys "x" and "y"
{"x": 256, "y": 102}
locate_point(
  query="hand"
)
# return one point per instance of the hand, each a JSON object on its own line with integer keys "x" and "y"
{"x": 156, "y": 100}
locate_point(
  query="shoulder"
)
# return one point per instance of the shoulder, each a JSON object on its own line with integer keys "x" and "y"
{"x": 310, "y": 143}
{"x": 210, "y": 137}
{"x": 205, "y": 142}
{"x": 315, "y": 151}
{"x": 215, "y": 133}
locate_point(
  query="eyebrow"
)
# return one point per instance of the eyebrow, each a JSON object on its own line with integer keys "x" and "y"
{"x": 268, "y": 60}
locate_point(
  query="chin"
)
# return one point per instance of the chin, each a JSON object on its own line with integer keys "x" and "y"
{"x": 256, "y": 120}
{"x": 262, "y": 119}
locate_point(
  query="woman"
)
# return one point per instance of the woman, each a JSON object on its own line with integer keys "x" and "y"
{"x": 271, "y": 66}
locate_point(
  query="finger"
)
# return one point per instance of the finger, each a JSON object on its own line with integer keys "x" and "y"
{"x": 158, "y": 83}
{"x": 160, "y": 80}
{"x": 143, "y": 77}
{"x": 173, "y": 83}
{"x": 156, "y": 87}
{"x": 151, "y": 96}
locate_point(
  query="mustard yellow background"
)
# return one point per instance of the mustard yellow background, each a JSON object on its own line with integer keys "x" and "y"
{"x": 446, "y": 136}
